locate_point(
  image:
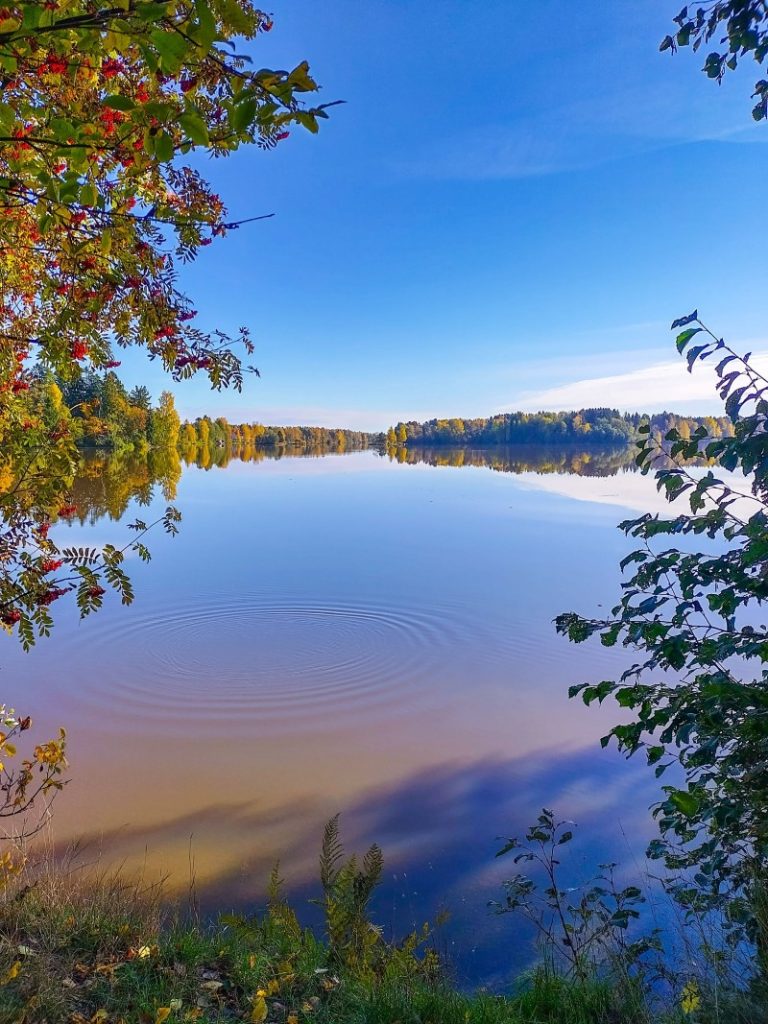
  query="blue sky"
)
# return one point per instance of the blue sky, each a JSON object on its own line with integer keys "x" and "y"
{"x": 508, "y": 211}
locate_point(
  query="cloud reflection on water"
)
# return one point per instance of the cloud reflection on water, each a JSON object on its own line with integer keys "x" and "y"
{"x": 178, "y": 740}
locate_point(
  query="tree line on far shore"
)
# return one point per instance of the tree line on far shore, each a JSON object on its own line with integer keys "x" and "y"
{"x": 205, "y": 433}
{"x": 102, "y": 413}
{"x": 601, "y": 426}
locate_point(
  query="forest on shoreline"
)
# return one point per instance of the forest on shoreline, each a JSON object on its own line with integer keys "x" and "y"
{"x": 600, "y": 426}
{"x": 102, "y": 413}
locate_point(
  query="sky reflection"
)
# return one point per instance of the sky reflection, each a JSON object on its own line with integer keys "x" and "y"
{"x": 346, "y": 634}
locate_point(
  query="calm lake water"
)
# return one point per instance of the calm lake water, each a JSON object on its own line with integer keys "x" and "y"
{"x": 348, "y": 633}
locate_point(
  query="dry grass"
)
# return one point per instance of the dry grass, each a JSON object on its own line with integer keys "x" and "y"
{"x": 62, "y": 924}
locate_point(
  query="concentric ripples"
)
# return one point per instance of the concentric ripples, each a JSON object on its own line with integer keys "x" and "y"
{"x": 292, "y": 662}
{"x": 268, "y": 658}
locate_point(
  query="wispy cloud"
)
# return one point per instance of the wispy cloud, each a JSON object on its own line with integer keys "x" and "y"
{"x": 585, "y": 133}
{"x": 663, "y": 385}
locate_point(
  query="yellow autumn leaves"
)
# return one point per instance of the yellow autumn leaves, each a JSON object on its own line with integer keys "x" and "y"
{"x": 7, "y": 749}
{"x": 52, "y": 752}
{"x": 164, "y": 1012}
{"x": 12, "y": 972}
{"x": 690, "y": 1000}
{"x": 259, "y": 1010}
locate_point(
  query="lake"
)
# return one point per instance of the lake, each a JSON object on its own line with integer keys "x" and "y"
{"x": 349, "y": 633}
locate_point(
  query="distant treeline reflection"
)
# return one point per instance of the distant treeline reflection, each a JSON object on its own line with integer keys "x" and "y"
{"x": 502, "y": 458}
{"x": 107, "y": 482}
{"x": 525, "y": 459}
{"x": 205, "y": 435}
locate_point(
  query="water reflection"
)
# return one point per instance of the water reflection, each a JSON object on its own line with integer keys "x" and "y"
{"x": 526, "y": 459}
{"x": 348, "y": 634}
{"x": 108, "y": 482}
{"x": 439, "y": 828}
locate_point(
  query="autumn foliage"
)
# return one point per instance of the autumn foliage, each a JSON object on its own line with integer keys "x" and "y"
{"x": 103, "y": 111}
{"x": 99, "y": 109}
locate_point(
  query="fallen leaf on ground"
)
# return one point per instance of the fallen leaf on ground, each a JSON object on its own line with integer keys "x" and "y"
{"x": 259, "y": 1009}
{"x": 11, "y": 973}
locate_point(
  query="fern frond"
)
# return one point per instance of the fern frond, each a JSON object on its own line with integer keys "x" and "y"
{"x": 331, "y": 853}
{"x": 373, "y": 865}
{"x": 244, "y": 927}
{"x": 275, "y": 885}
{"x": 337, "y": 922}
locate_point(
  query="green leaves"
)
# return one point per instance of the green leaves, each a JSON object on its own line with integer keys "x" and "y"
{"x": 575, "y": 923}
{"x": 236, "y": 17}
{"x": 683, "y": 37}
{"x": 242, "y": 114}
{"x": 89, "y": 195}
{"x": 117, "y": 102}
{"x": 736, "y": 28}
{"x": 163, "y": 146}
{"x": 610, "y": 636}
{"x": 694, "y": 622}
{"x": 714, "y": 65}
{"x": 205, "y": 31}
{"x": 308, "y": 121}
{"x": 300, "y": 79}
{"x": 151, "y": 11}
{"x": 7, "y": 116}
{"x": 684, "y": 801}
{"x": 171, "y": 48}
{"x": 195, "y": 128}
{"x": 682, "y": 339}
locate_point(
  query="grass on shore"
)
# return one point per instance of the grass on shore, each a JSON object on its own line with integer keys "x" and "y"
{"x": 76, "y": 950}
